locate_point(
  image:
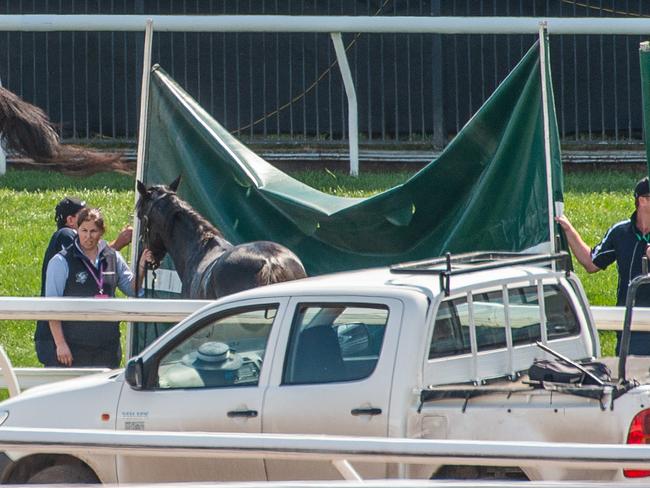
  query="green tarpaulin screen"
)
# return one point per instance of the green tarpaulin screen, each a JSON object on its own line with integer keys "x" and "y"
{"x": 486, "y": 191}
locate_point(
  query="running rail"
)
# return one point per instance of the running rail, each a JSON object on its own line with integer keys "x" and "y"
{"x": 325, "y": 448}
{"x": 333, "y": 25}
{"x": 324, "y": 24}
{"x": 167, "y": 310}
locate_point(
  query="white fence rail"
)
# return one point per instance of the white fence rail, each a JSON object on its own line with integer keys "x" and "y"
{"x": 326, "y": 448}
{"x": 141, "y": 310}
{"x": 325, "y": 24}
{"x": 156, "y": 310}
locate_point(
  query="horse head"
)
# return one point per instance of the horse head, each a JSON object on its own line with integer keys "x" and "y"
{"x": 149, "y": 209}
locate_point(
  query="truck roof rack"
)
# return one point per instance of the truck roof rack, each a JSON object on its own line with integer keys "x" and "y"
{"x": 450, "y": 265}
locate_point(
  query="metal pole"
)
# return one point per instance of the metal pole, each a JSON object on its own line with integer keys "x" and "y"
{"x": 644, "y": 63}
{"x": 142, "y": 140}
{"x": 348, "y": 82}
{"x": 346, "y": 470}
{"x": 3, "y": 155}
{"x": 547, "y": 138}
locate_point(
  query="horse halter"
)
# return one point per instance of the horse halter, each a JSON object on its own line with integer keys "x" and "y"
{"x": 145, "y": 235}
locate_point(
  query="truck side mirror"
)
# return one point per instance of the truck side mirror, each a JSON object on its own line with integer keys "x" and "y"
{"x": 134, "y": 373}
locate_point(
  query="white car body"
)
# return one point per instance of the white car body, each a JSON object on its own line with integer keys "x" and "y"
{"x": 269, "y": 393}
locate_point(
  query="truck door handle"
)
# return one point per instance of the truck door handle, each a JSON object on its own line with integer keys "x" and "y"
{"x": 242, "y": 413}
{"x": 366, "y": 411}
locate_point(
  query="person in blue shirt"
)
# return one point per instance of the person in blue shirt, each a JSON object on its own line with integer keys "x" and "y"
{"x": 89, "y": 267}
{"x": 65, "y": 216}
{"x": 625, "y": 243}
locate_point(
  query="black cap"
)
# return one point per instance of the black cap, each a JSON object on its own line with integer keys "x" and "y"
{"x": 66, "y": 207}
{"x": 642, "y": 188}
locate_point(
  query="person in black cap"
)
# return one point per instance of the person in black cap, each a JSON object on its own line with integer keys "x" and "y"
{"x": 65, "y": 216}
{"x": 625, "y": 242}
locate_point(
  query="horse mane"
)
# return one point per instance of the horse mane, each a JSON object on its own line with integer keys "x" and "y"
{"x": 26, "y": 130}
{"x": 206, "y": 229}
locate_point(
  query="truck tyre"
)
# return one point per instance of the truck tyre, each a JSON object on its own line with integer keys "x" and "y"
{"x": 64, "y": 473}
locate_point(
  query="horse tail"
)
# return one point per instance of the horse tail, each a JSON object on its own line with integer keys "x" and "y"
{"x": 282, "y": 265}
{"x": 26, "y": 130}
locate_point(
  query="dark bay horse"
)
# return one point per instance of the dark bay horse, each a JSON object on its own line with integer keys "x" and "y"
{"x": 208, "y": 265}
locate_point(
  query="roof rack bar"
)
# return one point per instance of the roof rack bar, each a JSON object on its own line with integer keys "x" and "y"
{"x": 471, "y": 263}
{"x": 463, "y": 258}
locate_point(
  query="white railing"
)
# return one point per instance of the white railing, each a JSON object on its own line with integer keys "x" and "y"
{"x": 140, "y": 310}
{"x": 325, "y": 24}
{"x": 333, "y": 25}
{"x": 157, "y": 310}
{"x": 326, "y": 448}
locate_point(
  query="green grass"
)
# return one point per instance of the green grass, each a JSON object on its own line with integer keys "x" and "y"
{"x": 593, "y": 201}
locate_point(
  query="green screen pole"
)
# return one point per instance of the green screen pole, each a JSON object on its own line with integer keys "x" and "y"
{"x": 644, "y": 61}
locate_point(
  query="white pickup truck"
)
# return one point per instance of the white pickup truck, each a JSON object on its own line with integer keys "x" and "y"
{"x": 436, "y": 350}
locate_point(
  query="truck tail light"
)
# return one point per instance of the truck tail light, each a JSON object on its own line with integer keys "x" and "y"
{"x": 639, "y": 434}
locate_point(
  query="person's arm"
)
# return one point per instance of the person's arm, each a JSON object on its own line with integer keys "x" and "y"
{"x": 63, "y": 352}
{"x": 580, "y": 249}
{"x": 123, "y": 238}
{"x": 55, "y": 278}
{"x": 125, "y": 277}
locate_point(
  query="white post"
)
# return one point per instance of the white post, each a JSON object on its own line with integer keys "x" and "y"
{"x": 3, "y": 155}
{"x": 142, "y": 139}
{"x": 346, "y": 470}
{"x": 353, "y": 130}
{"x": 9, "y": 373}
{"x": 547, "y": 137}
{"x": 3, "y": 160}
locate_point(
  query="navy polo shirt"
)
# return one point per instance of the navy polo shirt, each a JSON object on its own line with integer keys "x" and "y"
{"x": 625, "y": 244}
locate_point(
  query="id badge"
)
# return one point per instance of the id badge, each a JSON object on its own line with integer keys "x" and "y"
{"x": 102, "y": 295}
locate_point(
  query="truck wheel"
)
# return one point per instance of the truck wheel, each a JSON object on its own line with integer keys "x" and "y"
{"x": 64, "y": 473}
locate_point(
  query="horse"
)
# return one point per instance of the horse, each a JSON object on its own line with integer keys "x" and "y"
{"x": 208, "y": 265}
{"x": 26, "y": 130}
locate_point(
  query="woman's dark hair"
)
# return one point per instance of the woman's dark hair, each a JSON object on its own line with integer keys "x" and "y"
{"x": 93, "y": 215}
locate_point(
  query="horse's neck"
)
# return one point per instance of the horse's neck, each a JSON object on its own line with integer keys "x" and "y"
{"x": 187, "y": 247}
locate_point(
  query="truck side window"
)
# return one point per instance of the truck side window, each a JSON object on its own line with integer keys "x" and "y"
{"x": 524, "y": 315}
{"x": 561, "y": 319}
{"x": 227, "y": 351}
{"x": 451, "y": 328}
{"x": 334, "y": 342}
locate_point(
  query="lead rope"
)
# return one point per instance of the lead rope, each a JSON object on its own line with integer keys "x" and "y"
{"x": 150, "y": 292}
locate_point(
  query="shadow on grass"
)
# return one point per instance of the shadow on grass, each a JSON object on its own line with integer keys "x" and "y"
{"x": 32, "y": 180}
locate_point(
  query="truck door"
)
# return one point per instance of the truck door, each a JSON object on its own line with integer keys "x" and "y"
{"x": 211, "y": 377}
{"x": 333, "y": 377}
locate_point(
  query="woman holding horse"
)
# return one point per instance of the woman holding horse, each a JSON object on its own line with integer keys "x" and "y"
{"x": 89, "y": 268}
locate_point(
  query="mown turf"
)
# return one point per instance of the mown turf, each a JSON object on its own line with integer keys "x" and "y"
{"x": 27, "y": 198}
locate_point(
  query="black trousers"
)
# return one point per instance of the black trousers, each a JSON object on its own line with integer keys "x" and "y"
{"x": 105, "y": 356}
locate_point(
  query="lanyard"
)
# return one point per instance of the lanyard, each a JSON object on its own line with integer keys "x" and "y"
{"x": 100, "y": 280}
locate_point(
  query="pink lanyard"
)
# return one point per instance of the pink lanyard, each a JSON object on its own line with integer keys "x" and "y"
{"x": 100, "y": 280}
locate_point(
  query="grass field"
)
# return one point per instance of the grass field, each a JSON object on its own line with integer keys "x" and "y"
{"x": 593, "y": 201}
